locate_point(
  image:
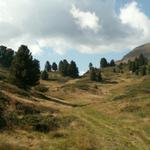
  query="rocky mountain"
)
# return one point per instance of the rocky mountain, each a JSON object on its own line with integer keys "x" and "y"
{"x": 143, "y": 49}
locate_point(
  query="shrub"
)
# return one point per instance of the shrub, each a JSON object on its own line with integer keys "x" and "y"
{"x": 2, "y": 77}
{"x": 26, "y": 109}
{"x": 3, "y": 123}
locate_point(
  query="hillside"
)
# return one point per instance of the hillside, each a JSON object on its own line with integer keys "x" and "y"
{"x": 143, "y": 49}
{"x": 67, "y": 114}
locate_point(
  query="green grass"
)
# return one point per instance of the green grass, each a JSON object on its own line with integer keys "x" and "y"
{"x": 116, "y": 117}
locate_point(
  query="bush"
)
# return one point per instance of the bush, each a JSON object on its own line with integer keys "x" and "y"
{"x": 41, "y": 127}
{"x": 45, "y": 124}
{"x": 26, "y": 109}
{"x": 3, "y": 123}
{"x": 2, "y": 77}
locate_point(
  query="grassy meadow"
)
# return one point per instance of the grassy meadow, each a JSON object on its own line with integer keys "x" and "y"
{"x": 67, "y": 114}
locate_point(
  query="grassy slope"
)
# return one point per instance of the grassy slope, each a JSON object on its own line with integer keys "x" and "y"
{"x": 117, "y": 115}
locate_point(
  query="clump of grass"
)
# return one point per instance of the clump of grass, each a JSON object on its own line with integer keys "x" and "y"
{"x": 13, "y": 89}
{"x": 119, "y": 97}
{"x": 41, "y": 88}
{"x": 131, "y": 108}
{"x": 26, "y": 109}
{"x": 82, "y": 86}
{"x": 9, "y": 146}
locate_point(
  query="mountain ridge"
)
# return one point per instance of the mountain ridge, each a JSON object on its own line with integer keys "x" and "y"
{"x": 143, "y": 49}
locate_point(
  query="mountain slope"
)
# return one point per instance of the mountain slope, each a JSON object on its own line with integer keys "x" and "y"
{"x": 143, "y": 49}
{"x": 116, "y": 114}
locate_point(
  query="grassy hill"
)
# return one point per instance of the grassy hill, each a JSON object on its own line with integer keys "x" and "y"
{"x": 143, "y": 49}
{"x": 67, "y": 114}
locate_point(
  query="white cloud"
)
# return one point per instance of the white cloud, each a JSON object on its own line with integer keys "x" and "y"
{"x": 88, "y": 26}
{"x": 133, "y": 16}
{"x": 86, "y": 20}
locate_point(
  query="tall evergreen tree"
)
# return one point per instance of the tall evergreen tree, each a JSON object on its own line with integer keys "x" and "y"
{"x": 103, "y": 63}
{"x": 133, "y": 66}
{"x": 24, "y": 71}
{"x": 6, "y": 56}
{"x": 60, "y": 67}
{"x": 143, "y": 70}
{"x": 148, "y": 69}
{"x": 48, "y": 66}
{"x": 63, "y": 67}
{"x": 99, "y": 76}
{"x": 112, "y": 63}
{"x": 142, "y": 60}
{"x": 90, "y": 66}
{"x": 44, "y": 75}
{"x": 54, "y": 66}
{"x": 73, "y": 70}
{"x": 93, "y": 74}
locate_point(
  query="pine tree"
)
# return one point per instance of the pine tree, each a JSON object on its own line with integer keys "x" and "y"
{"x": 63, "y": 67}
{"x": 99, "y": 76}
{"x": 136, "y": 64}
{"x": 130, "y": 65}
{"x": 54, "y": 66}
{"x": 137, "y": 72}
{"x": 142, "y": 60}
{"x": 73, "y": 70}
{"x": 48, "y": 66}
{"x": 90, "y": 66}
{"x": 133, "y": 66}
{"x": 148, "y": 69}
{"x": 112, "y": 63}
{"x": 92, "y": 74}
{"x": 44, "y": 75}
{"x": 6, "y": 56}
{"x": 104, "y": 63}
{"x": 143, "y": 70}
{"x": 24, "y": 71}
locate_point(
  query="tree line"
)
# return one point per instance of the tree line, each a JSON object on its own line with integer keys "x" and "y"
{"x": 139, "y": 65}
{"x": 25, "y": 70}
{"x": 64, "y": 68}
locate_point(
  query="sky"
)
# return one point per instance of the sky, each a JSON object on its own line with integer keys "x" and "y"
{"x": 80, "y": 30}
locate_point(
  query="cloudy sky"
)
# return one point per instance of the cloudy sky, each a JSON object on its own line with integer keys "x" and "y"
{"x": 82, "y": 30}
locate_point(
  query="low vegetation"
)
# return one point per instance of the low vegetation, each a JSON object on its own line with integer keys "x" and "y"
{"x": 106, "y": 108}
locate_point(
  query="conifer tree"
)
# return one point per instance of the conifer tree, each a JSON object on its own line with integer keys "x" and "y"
{"x": 24, "y": 71}
{"x": 92, "y": 74}
{"x": 54, "y": 66}
{"x": 99, "y": 76}
{"x": 48, "y": 66}
{"x": 130, "y": 65}
{"x": 95, "y": 74}
{"x": 142, "y": 60}
{"x": 143, "y": 70}
{"x": 44, "y": 75}
{"x": 90, "y": 66}
{"x": 73, "y": 70}
{"x": 148, "y": 69}
{"x": 104, "y": 63}
{"x": 112, "y": 63}
{"x": 6, "y": 56}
